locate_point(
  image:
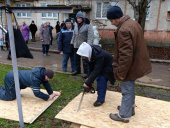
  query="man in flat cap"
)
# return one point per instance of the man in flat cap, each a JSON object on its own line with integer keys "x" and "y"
{"x": 28, "y": 78}
{"x": 131, "y": 60}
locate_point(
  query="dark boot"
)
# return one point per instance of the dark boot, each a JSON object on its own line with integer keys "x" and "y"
{"x": 98, "y": 103}
{"x": 75, "y": 73}
{"x": 117, "y": 118}
{"x": 84, "y": 76}
{"x": 133, "y": 110}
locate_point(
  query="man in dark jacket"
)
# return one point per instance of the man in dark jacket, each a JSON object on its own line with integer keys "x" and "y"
{"x": 33, "y": 29}
{"x": 50, "y": 28}
{"x": 100, "y": 65}
{"x": 28, "y": 78}
{"x": 83, "y": 32}
{"x": 64, "y": 45}
{"x": 131, "y": 60}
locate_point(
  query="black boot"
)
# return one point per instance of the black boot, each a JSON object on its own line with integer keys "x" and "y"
{"x": 84, "y": 76}
{"x": 98, "y": 103}
{"x": 75, "y": 73}
{"x": 133, "y": 110}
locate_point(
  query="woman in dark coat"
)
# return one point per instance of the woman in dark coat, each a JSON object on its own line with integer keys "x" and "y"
{"x": 57, "y": 27}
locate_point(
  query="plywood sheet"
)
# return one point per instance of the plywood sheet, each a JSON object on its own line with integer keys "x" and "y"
{"x": 31, "y": 105}
{"x": 74, "y": 125}
{"x": 150, "y": 113}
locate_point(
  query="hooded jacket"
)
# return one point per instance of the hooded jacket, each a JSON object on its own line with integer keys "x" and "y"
{"x": 32, "y": 78}
{"x": 83, "y": 32}
{"x": 100, "y": 63}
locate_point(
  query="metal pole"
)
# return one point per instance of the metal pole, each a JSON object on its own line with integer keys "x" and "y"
{"x": 14, "y": 64}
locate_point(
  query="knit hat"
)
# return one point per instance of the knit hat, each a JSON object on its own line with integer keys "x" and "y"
{"x": 85, "y": 50}
{"x": 68, "y": 21}
{"x": 32, "y": 21}
{"x": 44, "y": 22}
{"x": 80, "y": 14}
{"x": 114, "y": 12}
{"x": 49, "y": 73}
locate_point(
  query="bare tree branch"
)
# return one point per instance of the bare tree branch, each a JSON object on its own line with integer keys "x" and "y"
{"x": 132, "y": 2}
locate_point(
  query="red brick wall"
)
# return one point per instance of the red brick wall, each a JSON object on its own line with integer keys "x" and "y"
{"x": 149, "y": 35}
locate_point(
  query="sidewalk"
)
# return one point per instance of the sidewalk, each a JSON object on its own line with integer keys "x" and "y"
{"x": 160, "y": 76}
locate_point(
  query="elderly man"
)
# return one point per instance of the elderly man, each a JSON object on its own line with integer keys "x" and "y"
{"x": 28, "y": 78}
{"x": 131, "y": 60}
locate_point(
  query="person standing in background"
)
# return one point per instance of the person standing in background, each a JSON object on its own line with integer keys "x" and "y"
{"x": 83, "y": 32}
{"x": 64, "y": 45}
{"x": 33, "y": 29}
{"x": 25, "y": 32}
{"x": 45, "y": 38}
{"x": 50, "y": 28}
{"x": 62, "y": 24}
{"x": 57, "y": 27}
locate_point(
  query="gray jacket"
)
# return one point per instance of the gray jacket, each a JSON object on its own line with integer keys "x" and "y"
{"x": 85, "y": 34}
{"x": 44, "y": 35}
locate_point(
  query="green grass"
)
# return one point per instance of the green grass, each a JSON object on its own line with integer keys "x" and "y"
{"x": 69, "y": 86}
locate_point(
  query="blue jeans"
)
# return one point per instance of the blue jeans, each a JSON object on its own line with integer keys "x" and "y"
{"x": 8, "y": 93}
{"x": 45, "y": 48}
{"x": 101, "y": 88}
{"x": 66, "y": 56}
{"x": 128, "y": 98}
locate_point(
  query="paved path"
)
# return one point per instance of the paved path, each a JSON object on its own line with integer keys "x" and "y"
{"x": 160, "y": 76}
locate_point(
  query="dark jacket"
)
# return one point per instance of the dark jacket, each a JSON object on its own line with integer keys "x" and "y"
{"x": 64, "y": 40}
{"x": 44, "y": 35}
{"x": 57, "y": 27}
{"x": 100, "y": 64}
{"x": 32, "y": 78}
{"x": 131, "y": 58}
{"x": 33, "y": 28}
{"x": 50, "y": 28}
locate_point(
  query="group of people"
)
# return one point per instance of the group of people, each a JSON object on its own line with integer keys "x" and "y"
{"x": 130, "y": 61}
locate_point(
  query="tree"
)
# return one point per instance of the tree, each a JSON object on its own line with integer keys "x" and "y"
{"x": 140, "y": 8}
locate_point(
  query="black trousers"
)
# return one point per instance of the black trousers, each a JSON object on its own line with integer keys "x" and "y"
{"x": 33, "y": 36}
{"x": 77, "y": 60}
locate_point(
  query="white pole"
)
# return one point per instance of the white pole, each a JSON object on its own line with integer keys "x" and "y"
{"x": 14, "y": 64}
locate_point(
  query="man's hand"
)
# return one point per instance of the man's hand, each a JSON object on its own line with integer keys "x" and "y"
{"x": 42, "y": 40}
{"x": 121, "y": 78}
{"x": 54, "y": 95}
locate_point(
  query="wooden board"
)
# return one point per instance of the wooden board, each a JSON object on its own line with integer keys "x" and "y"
{"x": 150, "y": 113}
{"x": 31, "y": 105}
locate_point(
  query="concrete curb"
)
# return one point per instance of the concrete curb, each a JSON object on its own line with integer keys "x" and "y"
{"x": 40, "y": 50}
{"x": 153, "y": 85}
{"x": 160, "y": 61}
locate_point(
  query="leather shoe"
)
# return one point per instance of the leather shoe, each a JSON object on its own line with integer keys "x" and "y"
{"x": 75, "y": 73}
{"x": 98, "y": 103}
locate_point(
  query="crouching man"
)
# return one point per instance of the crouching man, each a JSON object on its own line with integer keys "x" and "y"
{"x": 100, "y": 66}
{"x": 28, "y": 78}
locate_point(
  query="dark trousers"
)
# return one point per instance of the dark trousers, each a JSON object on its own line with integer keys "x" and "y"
{"x": 45, "y": 48}
{"x": 51, "y": 41}
{"x": 33, "y": 36}
{"x": 77, "y": 60}
{"x": 101, "y": 88}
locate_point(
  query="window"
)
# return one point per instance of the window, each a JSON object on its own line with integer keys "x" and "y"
{"x": 168, "y": 13}
{"x": 48, "y": 15}
{"x": 148, "y": 10}
{"x": 0, "y": 6}
{"x": 102, "y": 7}
{"x": 23, "y": 14}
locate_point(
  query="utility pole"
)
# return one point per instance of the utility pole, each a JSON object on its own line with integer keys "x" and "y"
{"x": 14, "y": 64}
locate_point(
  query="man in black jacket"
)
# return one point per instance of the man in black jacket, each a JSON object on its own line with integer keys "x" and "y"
{"x": 100, "y": 66}
{"x": 33, "y": 29}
